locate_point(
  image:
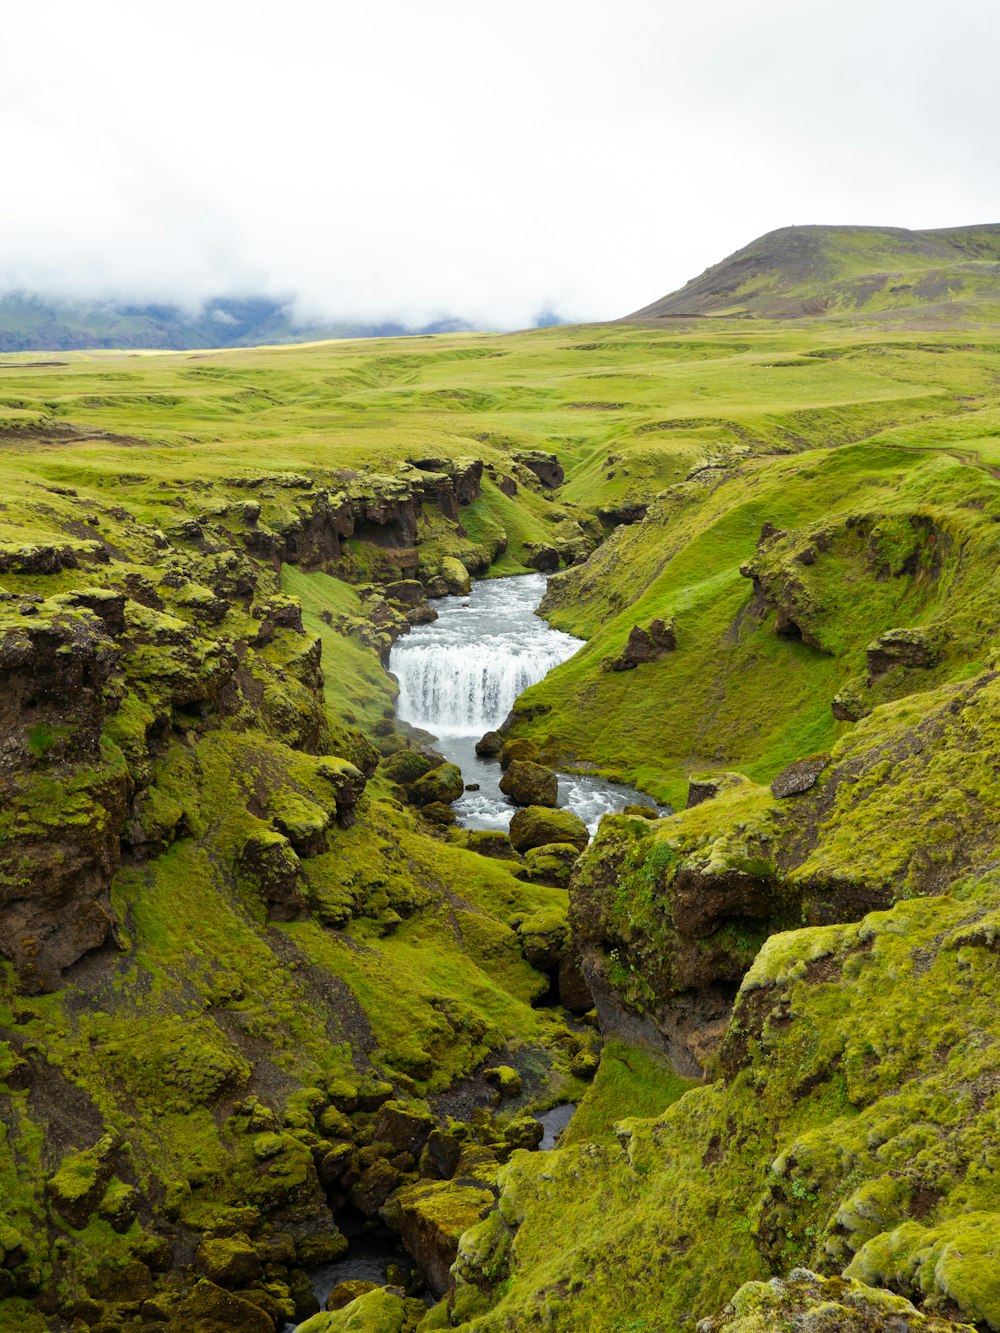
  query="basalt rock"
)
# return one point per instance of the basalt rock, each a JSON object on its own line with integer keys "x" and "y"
{"x": 489, "y": 745}
{"x": 799, "y": 776}
{"x": 527, "y": 783}
{"x": 54, "y": 671}
{"x": 646, "y": 643}
{"x": 432, "y": 1217}
{"x": 439, "y": 785}
{"x": 909, "y": 648}
{"x": 269, "y": 863}
{"x": 535, "y": 826}
{"x": 546, "y": 467}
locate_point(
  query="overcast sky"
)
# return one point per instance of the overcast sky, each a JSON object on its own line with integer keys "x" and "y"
{"x": 408, "y": 158}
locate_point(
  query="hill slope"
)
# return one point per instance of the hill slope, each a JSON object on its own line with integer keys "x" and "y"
{"x": 868, "y": 272}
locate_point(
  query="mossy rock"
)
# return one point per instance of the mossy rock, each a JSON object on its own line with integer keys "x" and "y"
{"x": 439, "y": 785}
{"x": 384, "y": 1310}
{"x": 505, "y": 1078}
{"x": 489, "y": 744}
{"x": 807, "y": 1303}
{"x": 439, "y": 813}
{"x": 519, "y": 748}
{"x": 228, "y": 1261}
{"x": 552, "y": 863}
{"x": 211, "y": 1309}
{"x": 345, "y": 1292}
{"x": 538, "y": 826}
{"x": 528, "y": 783}
{"x": 490, "y": 842}
{"x": 432, "y": 1217}
{"x": 543, "y": 936}
{"x": 406, "y": 766}
{"x": 78, "y": 1186}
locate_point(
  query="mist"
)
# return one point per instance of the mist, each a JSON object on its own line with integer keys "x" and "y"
{"x": 478, "y": 161}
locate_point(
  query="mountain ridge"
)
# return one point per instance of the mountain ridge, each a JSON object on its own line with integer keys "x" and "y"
{"x": 808, "y": 272}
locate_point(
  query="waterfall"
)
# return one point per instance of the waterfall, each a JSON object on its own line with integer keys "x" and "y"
{"x": 464, "y": 690}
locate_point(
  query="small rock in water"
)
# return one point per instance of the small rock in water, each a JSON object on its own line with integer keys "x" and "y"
{"x": 472, "y": 786}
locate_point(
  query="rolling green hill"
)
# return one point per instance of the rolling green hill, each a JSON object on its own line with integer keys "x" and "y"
{"x": 871, "y": 273}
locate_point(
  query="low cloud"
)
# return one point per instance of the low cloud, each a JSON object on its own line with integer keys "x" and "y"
{"x": 402, "y": 162}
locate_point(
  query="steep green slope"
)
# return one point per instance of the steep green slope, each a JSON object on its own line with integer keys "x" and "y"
{"x": 942, "y": 276}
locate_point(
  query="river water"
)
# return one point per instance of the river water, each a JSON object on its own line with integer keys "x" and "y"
{"x": 459, "y": 676}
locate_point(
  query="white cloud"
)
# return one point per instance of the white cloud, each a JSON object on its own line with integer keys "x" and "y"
{"x": 395, "y": 160}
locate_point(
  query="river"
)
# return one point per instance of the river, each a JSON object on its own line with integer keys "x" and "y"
{"x": 459, "y": 676}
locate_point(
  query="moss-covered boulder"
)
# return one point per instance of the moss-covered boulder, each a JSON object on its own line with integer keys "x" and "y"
{"x": 536, "y": 826}
{"x": 432, "y": 1216}
{"x": 489, "y": 745}
{"x": 808, "y": 1303}
{"x": 406, "y": 766}
{"x": 439, "y": 813}
{"x": 269, "y": 865}
{"x": 384, "y": 1310}
{"x": 211, "y": 1309}
{"x": 229, "y": 1261}
{"x": 552, "y": 863}
{"x": 543, "y": 935}
{"x": 406, "y": 1128}
{"x": 345, "y": 1292}
{"x": 528, "y": 783}
{"x": 439, "y": 785}
{"x": 505, "y": 1079}
{"x": 78, "y": 1185}
{"x": 520, "y": 748}
{"x": 490, "y": 842}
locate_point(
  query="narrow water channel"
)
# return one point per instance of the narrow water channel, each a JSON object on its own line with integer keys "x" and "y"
{"x": 459, "y": 676}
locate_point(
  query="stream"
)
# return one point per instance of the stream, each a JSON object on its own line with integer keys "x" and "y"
{"x": 459, "y": 676}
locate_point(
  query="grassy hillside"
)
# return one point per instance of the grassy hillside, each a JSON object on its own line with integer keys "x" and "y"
{"x": 879, "y": 273}
{"x": 251, "y": 993}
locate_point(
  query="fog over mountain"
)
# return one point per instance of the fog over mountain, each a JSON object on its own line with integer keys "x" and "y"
{"x": 403, "y": 165}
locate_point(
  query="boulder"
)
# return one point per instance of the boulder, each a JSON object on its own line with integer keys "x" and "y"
{"x": 528, "y": 783}
{"x": 406, "y": 766}
{"x": 519, "y": 748}
{"x": 384, "y": 1310}
{"x": 78, "y": 1186}
{"x": 800, "y": 776}
{"x": 574, "y": 992}
{"x": 646, "y": 643}
{"x": 432, "y": 1217}
{"x": 405, "y": 1127}
{"x": 536, "y": 826}
{"x": 441, "y": 1155}
{"x": 345, "y": 1292}
{"x": 504, "y": 1078}
{"x": 269, "y": 864}
{"x": 545, "y": 559}
{"x": 491, "y": 842}
{"x": 211, "y": 1309}
{"x": 902, "y": 648}
{"x": 228, "y": 1261}
{"x": 439, "y": 813}
{"x": 442, "y": 784}
{"x": 551, "y": 864}
{"x": 489, "y": 745}
{"x": 542, "y": 936}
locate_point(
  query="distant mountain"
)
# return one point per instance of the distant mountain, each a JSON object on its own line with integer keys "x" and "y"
{"x": 33, "y": 323}
{"x": 874, "y": 273}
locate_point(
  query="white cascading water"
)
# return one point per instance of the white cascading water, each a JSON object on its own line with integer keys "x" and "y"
{"x": 459, "y": 676}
